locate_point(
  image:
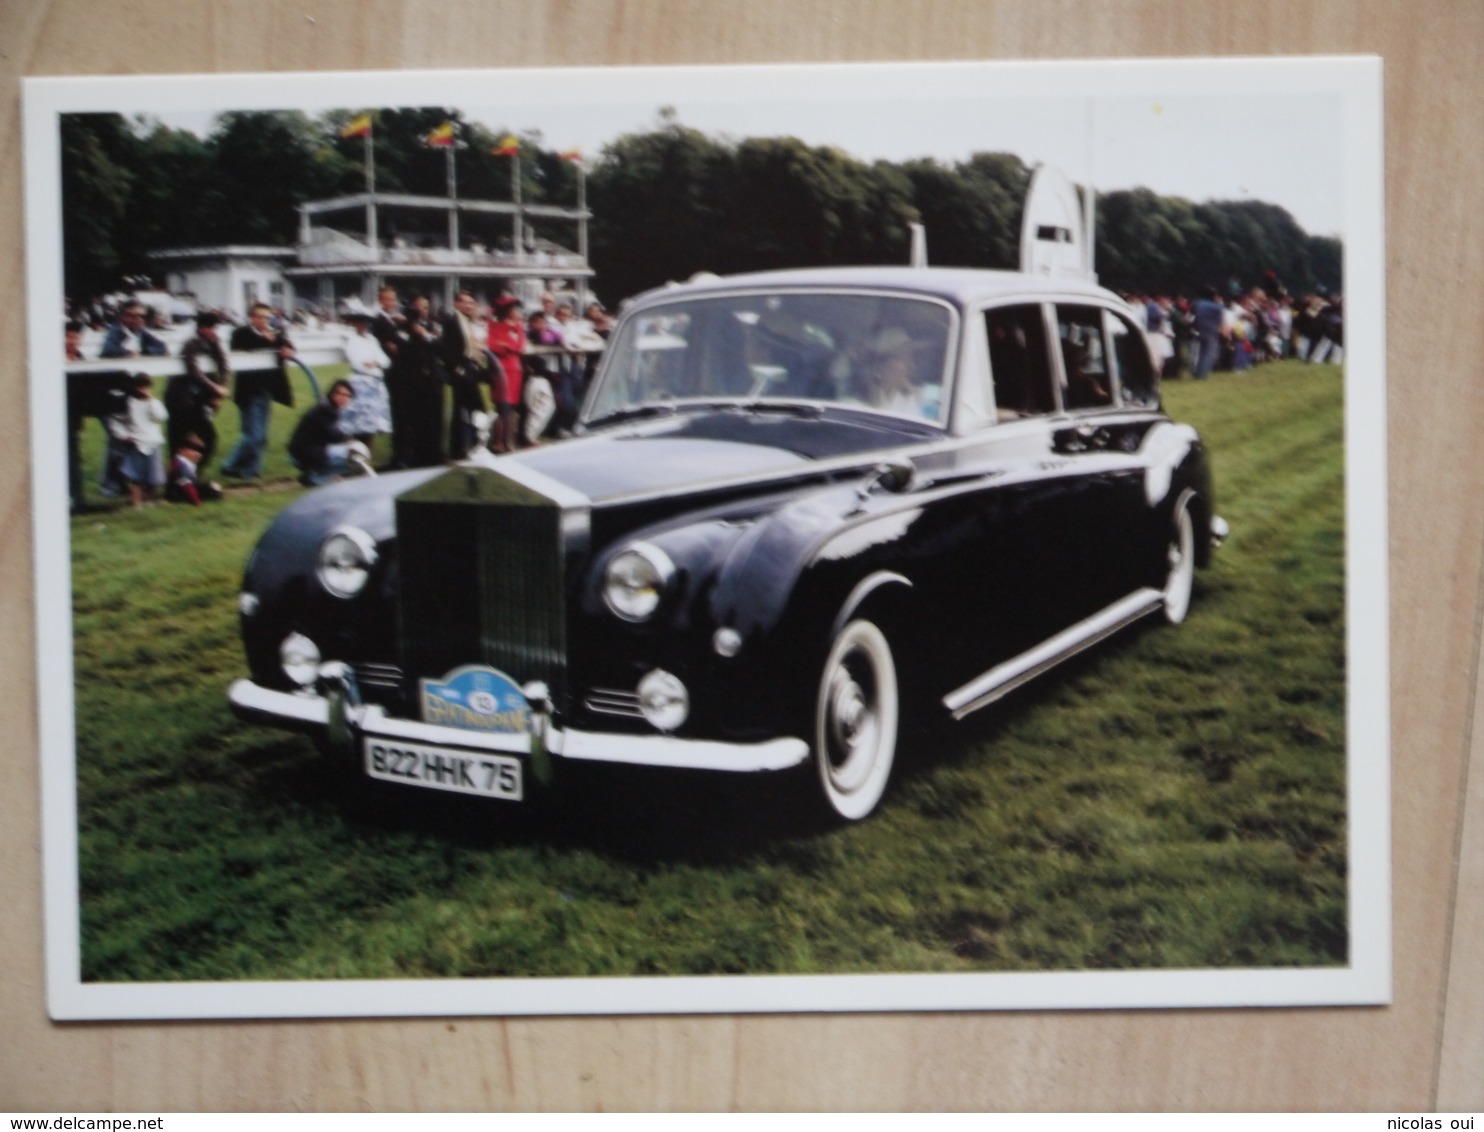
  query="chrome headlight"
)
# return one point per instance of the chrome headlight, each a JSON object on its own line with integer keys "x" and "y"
{"x": 345, "y": 561}
{"x": 636, "y": 581}
{"x": 299, "y": 657}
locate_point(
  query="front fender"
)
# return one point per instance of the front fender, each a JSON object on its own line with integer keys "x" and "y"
{"x": 285, "y": 595}
{"x": 789, "y": 585}
{"x": 1176, "y": 462}
{"x": 778, "y": 577}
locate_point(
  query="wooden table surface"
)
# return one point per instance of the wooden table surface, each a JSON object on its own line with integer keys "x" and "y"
{"x": 1426, "y": 1051}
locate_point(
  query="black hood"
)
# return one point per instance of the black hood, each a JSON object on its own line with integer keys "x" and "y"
{"x": 714, "y": 445}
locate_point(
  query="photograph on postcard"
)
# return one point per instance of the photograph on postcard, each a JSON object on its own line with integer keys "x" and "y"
{"x": 575, "y": 529}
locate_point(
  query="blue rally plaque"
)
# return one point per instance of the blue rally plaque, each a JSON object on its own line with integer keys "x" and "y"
{"x": 476, "y": 698}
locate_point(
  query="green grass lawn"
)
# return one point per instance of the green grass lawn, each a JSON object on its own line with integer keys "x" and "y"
{"x": 1174, "y": 798}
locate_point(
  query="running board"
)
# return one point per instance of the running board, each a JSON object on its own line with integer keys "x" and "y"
{"x": 1004, "y": 678}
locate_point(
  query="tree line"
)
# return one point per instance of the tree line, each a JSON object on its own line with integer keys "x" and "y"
{"x": 667, "y": 202}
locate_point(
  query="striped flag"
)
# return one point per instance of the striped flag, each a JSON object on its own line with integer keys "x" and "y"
{"x": 509, "y": 146}
{"x": 571, "y": 155}
{"x": 357, "y": 127}
{"x": 441, "y": 137}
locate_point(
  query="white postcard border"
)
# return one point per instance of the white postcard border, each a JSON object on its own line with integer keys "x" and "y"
{"x": 1367, "y": 978}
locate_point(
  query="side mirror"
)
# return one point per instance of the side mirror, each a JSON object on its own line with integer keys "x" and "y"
{"x": 895, "y": 476}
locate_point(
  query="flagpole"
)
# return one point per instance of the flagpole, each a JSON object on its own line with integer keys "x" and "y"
{"x": 582, "y": 211}
{"x": 518, "y": 220}
{"x": 371, "y": 235}
{"x": 453, "y": 206}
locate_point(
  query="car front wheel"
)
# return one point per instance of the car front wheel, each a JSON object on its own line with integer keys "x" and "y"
{"x": 1181, "y": 573}
{"x": 855, "y": 729}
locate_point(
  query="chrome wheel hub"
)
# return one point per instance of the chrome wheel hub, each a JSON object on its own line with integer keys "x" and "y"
{"x": 850, "y": 714}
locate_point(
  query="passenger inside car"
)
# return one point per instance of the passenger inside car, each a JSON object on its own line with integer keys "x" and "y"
{"x": 889, "y": 374}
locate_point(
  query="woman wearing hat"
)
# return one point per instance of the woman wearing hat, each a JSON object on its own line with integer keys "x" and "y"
{"x": 507, "y": 341}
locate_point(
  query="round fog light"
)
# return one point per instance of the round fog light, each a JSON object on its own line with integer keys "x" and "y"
{"x": 663, "y": 700}
{"x": 299, "y": 657}
{"x": 726, "y": 642}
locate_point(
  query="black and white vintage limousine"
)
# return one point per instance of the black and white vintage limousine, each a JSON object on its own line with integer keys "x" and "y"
{"x": 799, "y": 505}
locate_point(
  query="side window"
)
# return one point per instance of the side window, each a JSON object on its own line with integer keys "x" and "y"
{"x": 1084, "y": 361}
{"x": 1132, "y": 364}
{"x": 1019, "y": 363}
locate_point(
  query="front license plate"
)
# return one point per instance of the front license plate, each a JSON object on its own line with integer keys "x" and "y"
{"x": 439, "y": 768}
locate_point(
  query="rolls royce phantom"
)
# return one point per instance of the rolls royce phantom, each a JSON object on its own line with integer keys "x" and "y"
{"x": 799, "y": 507}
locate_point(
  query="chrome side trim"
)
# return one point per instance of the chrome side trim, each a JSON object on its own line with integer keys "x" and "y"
{"x": 1004, "y": 678}
{"x": 285, "y": 709}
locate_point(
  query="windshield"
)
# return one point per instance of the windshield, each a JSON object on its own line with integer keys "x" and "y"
{"x": 882, "y": 352}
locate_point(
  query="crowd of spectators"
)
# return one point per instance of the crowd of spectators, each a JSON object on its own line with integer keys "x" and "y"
{"x": 513, "y": 378}
{"x": 1238, "y": 329}
{"x": 507, "y": 380}
{"x": 487, "y": 375}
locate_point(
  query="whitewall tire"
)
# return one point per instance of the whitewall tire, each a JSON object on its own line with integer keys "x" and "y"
{"x": 1180, "y": 576}
{"x": 855, "y": 721}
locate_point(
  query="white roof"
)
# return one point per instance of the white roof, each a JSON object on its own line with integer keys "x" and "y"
{"x": 962, "y": 285}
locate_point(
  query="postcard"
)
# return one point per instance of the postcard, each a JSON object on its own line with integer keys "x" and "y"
{"x": 734, "y": 539}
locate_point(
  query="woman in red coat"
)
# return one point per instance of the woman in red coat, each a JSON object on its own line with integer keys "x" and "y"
{"x": 507, "y": 341}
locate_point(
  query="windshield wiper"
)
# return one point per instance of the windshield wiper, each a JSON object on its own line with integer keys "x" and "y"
{"x": 633, "y": 412}
{"x": 786, "y": 408}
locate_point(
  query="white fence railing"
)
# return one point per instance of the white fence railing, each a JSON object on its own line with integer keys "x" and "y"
{"x": 170, "y": 366}
{"x": 321, "y": 349}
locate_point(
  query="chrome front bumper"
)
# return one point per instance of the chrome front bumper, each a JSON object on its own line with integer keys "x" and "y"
{"x": 335, "y": 711}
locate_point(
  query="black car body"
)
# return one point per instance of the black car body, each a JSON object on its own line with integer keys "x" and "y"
{"x": 798, "y": 504}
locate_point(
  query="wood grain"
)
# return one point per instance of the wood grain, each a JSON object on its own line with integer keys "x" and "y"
{"x": 1427, "y": 1050}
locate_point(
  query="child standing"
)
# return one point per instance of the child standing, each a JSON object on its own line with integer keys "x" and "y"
{"x": 136, "y": 430}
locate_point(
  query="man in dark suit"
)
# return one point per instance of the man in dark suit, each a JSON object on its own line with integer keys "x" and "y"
{"x": 194, "y": 396}
{"x": 256, "y": 391}
{"x": 467, "y": 361}
{"x": 128, "y": 338}
{"x": 389, "y": 328}
{"x": 420, "y": 358}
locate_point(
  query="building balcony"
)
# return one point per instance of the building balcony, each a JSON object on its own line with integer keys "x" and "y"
{"x": 361, "y": 255}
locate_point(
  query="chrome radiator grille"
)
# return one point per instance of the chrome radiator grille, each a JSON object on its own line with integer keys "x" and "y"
{"x": 480, "y": 579}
